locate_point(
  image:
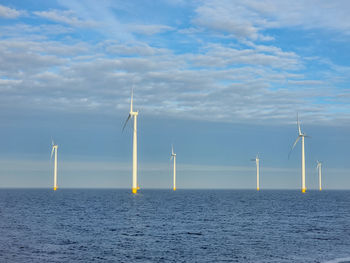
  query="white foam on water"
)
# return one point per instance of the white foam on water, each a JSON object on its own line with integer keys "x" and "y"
{"x": 339, "y": 260}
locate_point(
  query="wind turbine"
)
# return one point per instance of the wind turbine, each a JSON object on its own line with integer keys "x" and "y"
{"x": 133, "y": 114}
{"x": 319, "y": 169}
{"x": 173, "y": 156}
{"x": 302, "y": 136}
{"x": 257, "y": 159}
{"x": 54, "y": 150}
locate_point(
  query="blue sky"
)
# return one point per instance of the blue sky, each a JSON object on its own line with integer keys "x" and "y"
{"x": 221, "y": 80}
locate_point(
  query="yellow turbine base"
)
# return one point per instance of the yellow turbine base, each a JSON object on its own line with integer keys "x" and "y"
{"x": 258, "y": 189}
{"x": 303, "y": 190}
{"x": 55, "y": 188}
{"x": 320, "y": 189}
{"x": 174, "y": 188}
{"x": 134, "y": 190}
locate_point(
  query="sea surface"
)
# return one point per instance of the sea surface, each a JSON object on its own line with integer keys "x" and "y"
{"x": 74, "y": 225}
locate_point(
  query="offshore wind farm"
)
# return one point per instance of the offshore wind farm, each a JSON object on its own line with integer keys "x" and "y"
{"x": 135, "y": 186}
{"x": 182, "y": 127}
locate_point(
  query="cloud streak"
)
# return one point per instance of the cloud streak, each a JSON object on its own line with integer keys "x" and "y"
{"x": 249, "y": 19}
{"x": 9, "y": 13}
{"x": 212, "y": 79}
{"x": 66, "y": 17}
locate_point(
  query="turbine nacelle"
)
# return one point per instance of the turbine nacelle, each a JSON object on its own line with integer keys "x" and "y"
{"x": 53, "y": 143}
{"x": 132, "y": 113}
{"x": 172, "y": 152}
{"x": 300, "y": 135}
{"x": 54, "y": 146}
{"x": 256, "y": 159}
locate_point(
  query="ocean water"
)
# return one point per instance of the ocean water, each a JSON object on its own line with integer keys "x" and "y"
{"x": 74, "y": 225}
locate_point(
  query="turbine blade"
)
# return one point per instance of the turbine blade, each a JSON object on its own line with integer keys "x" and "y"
{"x": 299, "y": 130}
{"x": 52, "y": 152}
{"x": 171, "y": 157}
{"x": 132, "y": 98}
{"x": 295, "y": 143}
{"x": 172, "y": 149}
{"x": 126, "y": 121}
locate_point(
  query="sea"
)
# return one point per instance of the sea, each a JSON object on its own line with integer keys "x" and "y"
{"x": 113, "y": 225}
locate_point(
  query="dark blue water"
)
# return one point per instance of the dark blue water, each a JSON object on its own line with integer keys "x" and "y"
{"x": 167, "y": 226}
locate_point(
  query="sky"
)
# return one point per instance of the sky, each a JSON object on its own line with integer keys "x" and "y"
{"x": 222, "y": 81}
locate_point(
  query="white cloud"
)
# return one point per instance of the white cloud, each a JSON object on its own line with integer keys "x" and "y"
{"x": 248, "y": 19}
{"x": 66, "y": 17}
{"x": 223, "y": 56}
{"x": 32, "y": 32}
{"x": 149, "y": 29}
{"x": 221, "y": 84}
{"x": 7, "y": 12}
{"x": 219, "y": 81}
{"x": 227, "y": 18}
{"x": 141, "y": 49}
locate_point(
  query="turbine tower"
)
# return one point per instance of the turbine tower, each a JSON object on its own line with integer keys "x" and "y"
{"x": 54, "y": 150}
{"x": 133, "y": 114}
{"x": 302, "y": 136}
{"x": 173, "y": 156}
{"x": 319, "y": 169}
{"x": 257, "y": 159}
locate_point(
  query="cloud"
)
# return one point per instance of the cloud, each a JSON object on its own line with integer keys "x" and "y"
{"x": 223, "y": 56}
{"x": 223, "y": 18}
{"x": 135, "y": 49}
{"x": 210, "y": 79}
{"x": 66, "y": 17}
{"x": 303, "y": 13}
{"x": 35, "y": 33}
{"x": 223, "y": 83}
{"x": 249, "y": 19}
{"x": 7, "y": 12}
{"x": 149, "y": 29}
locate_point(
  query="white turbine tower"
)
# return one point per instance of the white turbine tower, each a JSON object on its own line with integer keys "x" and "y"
{"x": 133, "y": 114}
{"x": 173, "y": 156}
{"x": 54, "y": 150}
{"x": 257, "y": 159}
{"x": 319, "y": 169}
{"x": 302, "y": 136}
